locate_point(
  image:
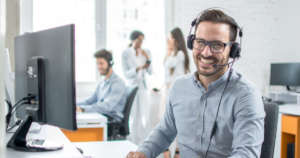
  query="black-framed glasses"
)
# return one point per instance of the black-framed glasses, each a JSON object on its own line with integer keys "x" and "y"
{"x": 216, "y": 47}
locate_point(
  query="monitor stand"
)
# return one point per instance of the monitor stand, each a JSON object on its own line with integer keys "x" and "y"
{"x": 19, "y": 142}
{"x": 288, "y": 88}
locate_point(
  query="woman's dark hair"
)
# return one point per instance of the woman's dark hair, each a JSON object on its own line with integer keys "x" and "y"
{"x": 180, "y": 45}
{"x": 134, "y": 35}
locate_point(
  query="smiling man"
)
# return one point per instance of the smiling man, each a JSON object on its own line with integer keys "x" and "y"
{"x": 109, "y": 97}
{"x": 205, "y": 100}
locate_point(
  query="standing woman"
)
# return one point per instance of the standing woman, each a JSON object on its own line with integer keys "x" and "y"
{"x": 136, "y": 64}
{"x": 176, "y": 64}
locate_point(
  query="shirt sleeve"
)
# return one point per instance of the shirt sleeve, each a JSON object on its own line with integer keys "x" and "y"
{"x": 149, "y": 69}
{"x": 173, "y": 61}
{"x": 163, "y": 135}
{"x": 91, "y": 100}
{"x": 248, "y": 130}
{"x": 117, "y": 91}
{"x": 128, "y": 72}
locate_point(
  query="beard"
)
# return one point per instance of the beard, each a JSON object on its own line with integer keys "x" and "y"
{"x": 207, "y": 71}
{"x": 105, "y": 72}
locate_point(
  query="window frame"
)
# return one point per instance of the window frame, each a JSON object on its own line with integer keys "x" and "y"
{"x": 26, "y": 25}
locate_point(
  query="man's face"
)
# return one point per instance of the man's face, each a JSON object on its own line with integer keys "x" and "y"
{"x": 102, "y": 65}
{"x": 205, "y": 59}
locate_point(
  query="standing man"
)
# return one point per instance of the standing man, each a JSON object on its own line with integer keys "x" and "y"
{"x": 110, "y": 96}
{"x": 215, "y": 99}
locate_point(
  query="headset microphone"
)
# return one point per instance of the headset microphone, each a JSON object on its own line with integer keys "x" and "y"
{"x": 223, "y": 64}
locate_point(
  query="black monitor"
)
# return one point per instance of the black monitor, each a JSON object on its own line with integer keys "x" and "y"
{"x": 286, "y": 74}
{"x": 45, "y": 80}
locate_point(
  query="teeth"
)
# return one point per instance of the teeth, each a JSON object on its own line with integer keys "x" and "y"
{"x": 207, "y": 61}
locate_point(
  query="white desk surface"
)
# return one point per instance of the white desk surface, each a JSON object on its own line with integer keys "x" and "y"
{"x": 291, "y": 109}
{"x": 84, "y": 118}
{"x": 110, "y": 149}
{"x": 50, "y": 133}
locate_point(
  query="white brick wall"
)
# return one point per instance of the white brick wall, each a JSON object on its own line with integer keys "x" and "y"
{"x": 259, "y": 20}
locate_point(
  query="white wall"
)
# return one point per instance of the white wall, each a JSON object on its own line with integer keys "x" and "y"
{"x": 288, "y": 31}
{"x": 2, "y": 43}
{"x": 259, "y": 20}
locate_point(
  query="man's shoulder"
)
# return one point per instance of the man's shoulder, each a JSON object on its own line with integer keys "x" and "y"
{"x": 118, "y": 80}
{"x": 184, "y": 80}
{"x": 242, "y": 83}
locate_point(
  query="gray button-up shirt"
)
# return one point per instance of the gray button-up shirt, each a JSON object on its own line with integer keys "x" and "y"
{"x": 109, "y": 98}
{"x": 190, "y": 113}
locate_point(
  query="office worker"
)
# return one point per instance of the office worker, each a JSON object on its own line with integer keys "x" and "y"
{"x": 196, "y": 106}
{"x": 136, "y": 64}
{"x": 109, "y": 97}
{"x": 176, "y": 64}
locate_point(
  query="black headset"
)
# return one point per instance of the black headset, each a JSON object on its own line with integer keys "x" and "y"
{"x": 110, "y": 60}
{"x": 235, "y": 50}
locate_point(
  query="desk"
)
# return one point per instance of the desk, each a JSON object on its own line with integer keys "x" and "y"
{"x": 114, "y": 149}
{"x": 50, "y": 133}
{"x": 289, "y": 109}
{"x": 91, "y": 127}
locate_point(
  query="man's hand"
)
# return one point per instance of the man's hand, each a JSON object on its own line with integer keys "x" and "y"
{"x": 78, "y": 109}
{"x": 136, "y": 155}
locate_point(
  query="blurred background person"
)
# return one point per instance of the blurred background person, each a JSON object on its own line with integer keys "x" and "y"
{"x": 136, "y": 63}
{"x": 176, "y": 63}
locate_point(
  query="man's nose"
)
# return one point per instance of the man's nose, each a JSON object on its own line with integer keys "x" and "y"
{"x": 206, "y": 52}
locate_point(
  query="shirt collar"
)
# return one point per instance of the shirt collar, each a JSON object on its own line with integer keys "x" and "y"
{"x": 111, "y": 77}
{"x": 214, "y": 84}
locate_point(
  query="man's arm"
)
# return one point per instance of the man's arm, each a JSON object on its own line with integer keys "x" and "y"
{"x": 248, "y": 130}
{"x": 164, "y": 134}
{"x": 117, "y": 91}
{"x": 91, "y": 100}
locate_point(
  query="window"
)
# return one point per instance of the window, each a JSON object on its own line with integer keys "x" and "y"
{"x": 146, "y": 16}
{"x": 101, "y": 24}
{"x": 53, "y": 13}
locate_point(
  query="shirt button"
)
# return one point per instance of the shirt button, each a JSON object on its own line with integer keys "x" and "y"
{"x": 215, "y": 88}
{"x": 199, "y": 156}
{"x": 197, "y": 139}
{"x": 199, "y": 117}
{"x": 203, "y": 96}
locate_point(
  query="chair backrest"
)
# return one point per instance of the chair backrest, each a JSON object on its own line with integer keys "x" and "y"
{"x": 271, "y": 120}
{"x": 130, "y": 94}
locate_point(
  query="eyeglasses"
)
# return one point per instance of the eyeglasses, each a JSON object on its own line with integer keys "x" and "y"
{"x": 215, "y": 47}
{"x": 139, "y": 40}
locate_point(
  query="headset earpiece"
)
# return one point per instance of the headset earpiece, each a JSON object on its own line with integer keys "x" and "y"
{"x": 235, "y": 51}
{"x": 111, "y": 63}
{"x": 189, "y": 41}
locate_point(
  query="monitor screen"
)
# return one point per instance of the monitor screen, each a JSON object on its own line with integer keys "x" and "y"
{"x": 287, "y": 74}
{"x": 57, "y": 49}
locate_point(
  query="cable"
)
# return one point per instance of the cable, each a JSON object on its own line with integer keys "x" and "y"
{"x": 215, "y": 126}
{"x": 12, "y": 113}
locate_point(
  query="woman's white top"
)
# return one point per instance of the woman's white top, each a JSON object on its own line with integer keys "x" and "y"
{"x": 130, "y": 61}
{"x": 176, "y": 62}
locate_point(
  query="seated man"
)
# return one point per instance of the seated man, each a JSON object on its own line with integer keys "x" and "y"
{"x": 215, "y": 112}
{"x": 110, "y": 96}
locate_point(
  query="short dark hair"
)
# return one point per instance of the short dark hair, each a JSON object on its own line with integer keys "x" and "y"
{"x": 217, "y": 16}
{"x": 103, "y": 53}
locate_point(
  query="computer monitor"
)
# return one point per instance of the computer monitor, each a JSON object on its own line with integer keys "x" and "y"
{"x": 45, "y": 74}
{"x": 286, "y": 74}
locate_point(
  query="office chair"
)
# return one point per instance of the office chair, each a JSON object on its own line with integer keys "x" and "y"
{"x": 122, "y": 128}
{"x": 271, "y": 120}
